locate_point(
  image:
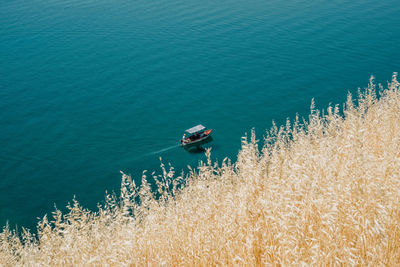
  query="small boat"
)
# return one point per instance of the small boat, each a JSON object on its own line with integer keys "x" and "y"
{"x": 197, "y": 135}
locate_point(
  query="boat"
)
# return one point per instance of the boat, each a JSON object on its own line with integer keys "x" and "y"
{"x": 196, "y": 135}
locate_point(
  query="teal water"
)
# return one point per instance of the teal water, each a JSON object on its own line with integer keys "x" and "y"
{"x": 89, "y": 88}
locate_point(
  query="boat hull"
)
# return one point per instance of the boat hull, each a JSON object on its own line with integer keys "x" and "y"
{"x": 203, "y": 140}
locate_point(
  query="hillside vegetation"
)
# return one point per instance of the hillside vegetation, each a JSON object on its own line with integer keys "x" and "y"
{"x": 325, "y": 191}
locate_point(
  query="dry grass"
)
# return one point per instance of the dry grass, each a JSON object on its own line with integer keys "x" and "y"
{"x": 321, "y": 192}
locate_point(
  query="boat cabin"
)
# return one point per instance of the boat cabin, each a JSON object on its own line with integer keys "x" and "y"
{"x": 195, "y": 131}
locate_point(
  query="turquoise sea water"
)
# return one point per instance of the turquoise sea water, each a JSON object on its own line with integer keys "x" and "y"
{"x": 89, "y": 88}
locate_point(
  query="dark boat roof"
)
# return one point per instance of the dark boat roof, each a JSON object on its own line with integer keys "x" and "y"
{"x": 195, "y": 129}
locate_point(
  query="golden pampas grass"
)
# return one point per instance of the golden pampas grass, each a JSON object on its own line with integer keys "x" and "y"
{"x": 322, "y": 192}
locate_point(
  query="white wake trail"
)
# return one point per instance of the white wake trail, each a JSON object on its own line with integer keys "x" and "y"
{"x": 161, "y": 150}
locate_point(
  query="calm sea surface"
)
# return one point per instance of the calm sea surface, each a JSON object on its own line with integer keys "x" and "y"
{"x": 89, "y": 88}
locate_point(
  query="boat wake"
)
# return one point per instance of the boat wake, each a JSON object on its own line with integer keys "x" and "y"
{"x": 161, "y": 150}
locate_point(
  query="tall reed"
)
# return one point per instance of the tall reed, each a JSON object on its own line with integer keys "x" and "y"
{"x": 323, "y": 191}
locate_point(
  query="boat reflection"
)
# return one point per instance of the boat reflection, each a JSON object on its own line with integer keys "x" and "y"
{"x": 197, "y": 147}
